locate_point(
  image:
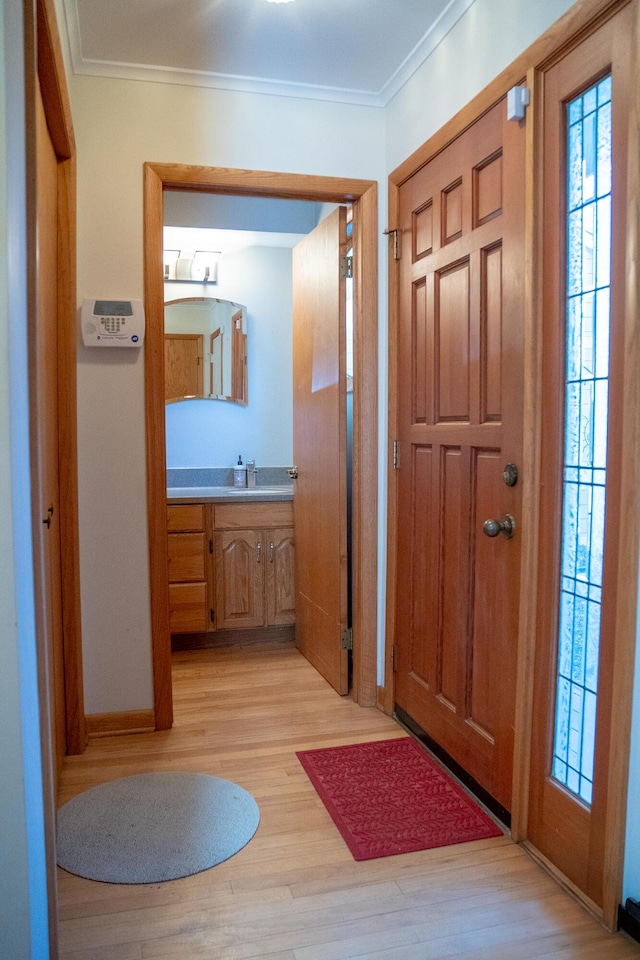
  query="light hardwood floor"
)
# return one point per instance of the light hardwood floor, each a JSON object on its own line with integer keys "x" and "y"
{"x": 295, "y": 893}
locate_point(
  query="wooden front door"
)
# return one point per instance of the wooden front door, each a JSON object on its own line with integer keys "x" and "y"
{"x": 460, "y": 369}
{"x": 319, "y": 448}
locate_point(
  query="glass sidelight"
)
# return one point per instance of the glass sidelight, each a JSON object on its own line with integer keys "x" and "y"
{"x": 588, "y": 269}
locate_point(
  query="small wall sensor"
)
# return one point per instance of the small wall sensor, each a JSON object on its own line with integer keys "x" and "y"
{"x": 517, "y": 100}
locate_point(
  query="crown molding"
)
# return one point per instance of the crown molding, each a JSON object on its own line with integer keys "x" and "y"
{"x": 150, "y": 73}
{"x": 434, "y": 36}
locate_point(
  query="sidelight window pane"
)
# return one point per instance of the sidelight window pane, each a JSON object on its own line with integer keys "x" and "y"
{"x": 585, "y": 435}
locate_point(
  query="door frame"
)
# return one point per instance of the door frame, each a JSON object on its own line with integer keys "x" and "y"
{"x": 584, "y": 17}
{"x": 44, "y": 65}
{"x": 289, "y": 186}
{"x": 50, "y": 73}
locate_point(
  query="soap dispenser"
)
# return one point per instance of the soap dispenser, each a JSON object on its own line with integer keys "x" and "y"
{"x": 239, "y": 474}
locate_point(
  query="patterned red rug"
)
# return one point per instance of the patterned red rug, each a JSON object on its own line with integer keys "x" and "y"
{"x": 390, "y": 797}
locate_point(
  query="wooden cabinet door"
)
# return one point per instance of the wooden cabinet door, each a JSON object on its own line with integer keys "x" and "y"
{"x": 189, "y": 569}
{"x": 240, "y": 564}
{"x": 187, "y": 557}
{"x": 460, "y": 378}
{"x": 279, "y": 586}
{"x": 188, "y": 608}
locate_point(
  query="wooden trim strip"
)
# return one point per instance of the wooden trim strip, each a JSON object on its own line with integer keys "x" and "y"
{"x": 53, "y": 84}
{"x": 260, "y": 183}
{"x": 365, "y": 449}
{"x": 389, "y": 695}
{"x": 156, "y": 454}
{"x": 55, "y": 98}
{"x": 531, "y": 445}
{"x": 562, "y": 880}
{"x": 628, "y": 558}
{"x": 363, "y": 194}
{"x": 120, "y": 724}
{"x": 68, "y": 459}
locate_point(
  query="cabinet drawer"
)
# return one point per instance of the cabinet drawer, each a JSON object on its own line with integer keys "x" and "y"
{"x": 240, "y": 516}
{"x": 185, "y": 516}
{"x": 186, "y": 557}
{"x": 188, "y": 609}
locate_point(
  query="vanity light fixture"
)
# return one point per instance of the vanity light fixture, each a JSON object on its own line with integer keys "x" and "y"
{"x": 200, "y": 266}
{"x": 169, "y": 258}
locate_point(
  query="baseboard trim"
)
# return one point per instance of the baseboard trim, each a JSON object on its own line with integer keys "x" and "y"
{"x": 564, "y": 881}
{"x": 119, "y": 724}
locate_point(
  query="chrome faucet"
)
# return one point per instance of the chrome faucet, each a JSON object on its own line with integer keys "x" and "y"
{"x": 252, "y": 473}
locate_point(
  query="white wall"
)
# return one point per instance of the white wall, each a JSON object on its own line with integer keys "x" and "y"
{"x": 119, "y": 125}
{"x": 489, "y": 37}
{"x": 211, "y": 433}
{"x": 23, "y": 895}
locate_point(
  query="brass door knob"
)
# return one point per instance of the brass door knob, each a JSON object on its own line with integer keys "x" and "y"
{"x": 492, "y": 528}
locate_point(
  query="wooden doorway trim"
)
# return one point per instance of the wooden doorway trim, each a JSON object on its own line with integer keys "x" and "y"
{"x": 44, "y": 66}
{"x": 583, "y": 17}
{"x": 363, "y": 195}
{"x": 58, "y": 113}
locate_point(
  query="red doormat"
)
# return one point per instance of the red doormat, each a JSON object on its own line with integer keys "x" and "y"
{"x": 390, "y": 797}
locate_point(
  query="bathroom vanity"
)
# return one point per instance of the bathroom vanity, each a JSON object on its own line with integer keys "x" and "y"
{"x": 231, "y": 559}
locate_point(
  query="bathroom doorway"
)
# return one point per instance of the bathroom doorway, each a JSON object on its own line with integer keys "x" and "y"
{"x": 362, "y": 194}
{"x": 285, "y": 262}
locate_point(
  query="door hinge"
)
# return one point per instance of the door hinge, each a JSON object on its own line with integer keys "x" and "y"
{"x": 212, "y": 615}
{"x": 397, "y": 252}
{"x": 346, "y": 267}
{"x": 396, "y": 456}
{"x": 394, "y": 657}
{"x": 210, "y": 546}
{"x": 346, "y": 638}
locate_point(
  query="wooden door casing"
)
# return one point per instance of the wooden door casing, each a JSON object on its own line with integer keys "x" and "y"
{"x": 319, "y": 448}
{"x": 47, "y": 402}
{"x": 363, "y": 195}
{"x": 459, "y": 423}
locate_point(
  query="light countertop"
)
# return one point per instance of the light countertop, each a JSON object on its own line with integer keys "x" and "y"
{"x": 228, "y": 494}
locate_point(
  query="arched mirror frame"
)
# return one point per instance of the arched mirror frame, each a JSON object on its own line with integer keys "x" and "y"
{"x": 198, "y": 365}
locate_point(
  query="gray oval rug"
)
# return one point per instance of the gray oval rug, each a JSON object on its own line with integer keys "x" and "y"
{"x": 154, "y": 827}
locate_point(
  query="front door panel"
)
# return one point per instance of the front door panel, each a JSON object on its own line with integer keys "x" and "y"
{"x": 460, "y": 423}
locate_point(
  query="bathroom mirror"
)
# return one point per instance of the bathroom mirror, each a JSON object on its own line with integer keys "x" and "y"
{"x": 205, "y": 350}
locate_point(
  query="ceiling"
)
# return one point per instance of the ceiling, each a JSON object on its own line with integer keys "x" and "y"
{"x": 354, "y": 51}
